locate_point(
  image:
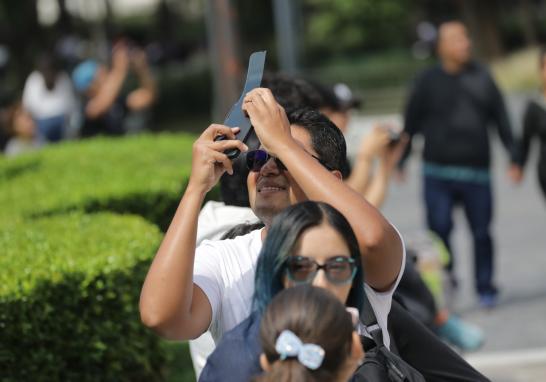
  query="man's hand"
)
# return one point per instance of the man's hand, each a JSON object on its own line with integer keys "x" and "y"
{"x": 268, "y": 118}
{"x": 374, "y": 143}
{"x": 208, "y": 159}
{"x": 120, "y": 57}
{"x": 139, "y": 60}
{"x": 391, "y": 154}
{"x": 515, "y": 173}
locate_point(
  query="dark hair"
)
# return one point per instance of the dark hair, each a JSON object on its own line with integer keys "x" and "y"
{"x": 292, "y": 92}
{"x": 285, "y": 231}
{"x": 49, "y": 66}
{"x": 315, "y": 316}
{"x": 326, "y": 138}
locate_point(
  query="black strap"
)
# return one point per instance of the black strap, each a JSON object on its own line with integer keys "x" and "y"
{"x": 367, "y": 316}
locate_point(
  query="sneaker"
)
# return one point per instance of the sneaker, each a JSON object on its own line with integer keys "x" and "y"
{"x": 461, "y": 334}
{"x": 488, "y": 300}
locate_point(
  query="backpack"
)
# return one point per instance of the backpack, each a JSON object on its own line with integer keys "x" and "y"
{"x": 380, "y": 364}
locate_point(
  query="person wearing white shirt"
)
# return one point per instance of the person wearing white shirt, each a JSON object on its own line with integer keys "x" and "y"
{"x": 188, "y": 291}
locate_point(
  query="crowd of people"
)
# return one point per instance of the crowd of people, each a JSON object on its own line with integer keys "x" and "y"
{"x": 61, "y": 101}
{"x": 296, "y": 275}
{"x": 312, "y": 220}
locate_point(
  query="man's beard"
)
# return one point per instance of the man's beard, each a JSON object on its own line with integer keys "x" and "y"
{"x": 266, "y": 214}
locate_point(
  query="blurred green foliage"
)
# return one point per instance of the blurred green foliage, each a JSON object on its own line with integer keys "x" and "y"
{"x": 351, "y": 26}
{"x": 143, "y": 175}
{"x": 69, "y": 291}
{"x": 74, "y": 258}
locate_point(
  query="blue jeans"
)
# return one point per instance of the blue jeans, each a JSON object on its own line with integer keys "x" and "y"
{"x": 51, "y": 129}
{"x": 441, "y": 195}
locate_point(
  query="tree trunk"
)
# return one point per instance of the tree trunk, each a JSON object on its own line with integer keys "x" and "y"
{"x": 482, "y": 19}
{"x": 526, "y": 10}
{"x": 225, "y": 63}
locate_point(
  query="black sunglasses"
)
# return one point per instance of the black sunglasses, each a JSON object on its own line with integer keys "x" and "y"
{"x": 256, "y": 159}
{"x": 338, "y": 269}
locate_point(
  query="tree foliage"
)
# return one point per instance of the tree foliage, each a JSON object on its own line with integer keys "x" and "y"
{"x": 345, "y": 25}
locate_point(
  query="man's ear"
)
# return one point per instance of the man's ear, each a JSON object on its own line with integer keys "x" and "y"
{"x": 264, "y": 363}
{"x": 337, "y": 174}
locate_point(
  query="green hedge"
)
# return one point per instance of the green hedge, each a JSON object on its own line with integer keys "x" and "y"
{"x": 73, "y": 266}
{"x": 143, "y": 175}
{"x": 69, "y": 291}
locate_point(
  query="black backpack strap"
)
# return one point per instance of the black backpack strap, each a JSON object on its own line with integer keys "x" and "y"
{"x": 367, "y": 316}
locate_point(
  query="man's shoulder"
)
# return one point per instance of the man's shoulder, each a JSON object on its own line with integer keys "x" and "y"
{"x": 237, "y": 353}
{"x": 427, "y": 76}
{"x": 477, "y": 69}
{"x": 430, "y": 71}
{"x": 250, "y": 241}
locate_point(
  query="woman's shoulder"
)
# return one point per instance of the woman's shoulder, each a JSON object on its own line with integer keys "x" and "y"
{"x": 237, "y": 353}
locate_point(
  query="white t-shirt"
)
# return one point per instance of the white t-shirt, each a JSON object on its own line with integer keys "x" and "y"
{"x": 215, "y": 219}
{"x": 225, "y": 270}
{"x": 43, "y": 103}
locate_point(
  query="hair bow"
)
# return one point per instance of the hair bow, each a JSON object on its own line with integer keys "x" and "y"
{"x": 289, "y": 345}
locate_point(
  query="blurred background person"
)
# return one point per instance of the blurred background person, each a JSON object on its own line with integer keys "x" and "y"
{"x": 49, "y": 98}
{"x": 534, "y": 126}
{"x": 452, "y": 105}
{"x": 105, "y": 106}
{"x": 22, "y": 131}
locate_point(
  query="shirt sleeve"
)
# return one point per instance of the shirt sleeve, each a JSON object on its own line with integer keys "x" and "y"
{"x": 413, "y": 115}
{"x": 207, "y": 275}
{"x": 529, "y": 130}
{"x": 500, "y": 117}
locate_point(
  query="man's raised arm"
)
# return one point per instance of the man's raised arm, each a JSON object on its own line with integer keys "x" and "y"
{"x": 170, "y": 303}
{"x": 380, "y": 244}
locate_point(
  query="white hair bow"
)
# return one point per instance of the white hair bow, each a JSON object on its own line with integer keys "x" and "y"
{"x": 289, "y": 345}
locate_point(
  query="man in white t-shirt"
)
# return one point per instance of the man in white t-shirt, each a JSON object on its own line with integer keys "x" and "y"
{"x": 215, "y": 219}
{"x": 189, "y": 290}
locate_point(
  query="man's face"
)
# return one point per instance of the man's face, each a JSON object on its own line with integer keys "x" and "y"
{"x": 454, "y": 43}
{"x": 271, "y": 190}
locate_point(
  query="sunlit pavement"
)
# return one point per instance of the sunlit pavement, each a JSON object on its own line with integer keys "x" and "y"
{"x": 518, "y": 324}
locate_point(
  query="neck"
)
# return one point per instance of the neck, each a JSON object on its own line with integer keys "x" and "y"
{"x": 264, "y": 232}
{"x": 452, "y": 67}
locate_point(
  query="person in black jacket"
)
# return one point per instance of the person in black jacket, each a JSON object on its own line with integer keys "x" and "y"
{"x": 534, "y": 125}
{"x": 451, "y": 105}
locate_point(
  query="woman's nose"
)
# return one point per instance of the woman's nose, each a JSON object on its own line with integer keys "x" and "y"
{"x": 320, "y": 280}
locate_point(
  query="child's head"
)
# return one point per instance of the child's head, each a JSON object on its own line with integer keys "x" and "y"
{"x": 310, "y": 242}
{"x": 307, "y": 335}
{"x": 20, "y": 123}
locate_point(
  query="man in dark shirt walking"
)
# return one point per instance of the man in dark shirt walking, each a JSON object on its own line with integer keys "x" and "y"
{"x": 452, "y": 105}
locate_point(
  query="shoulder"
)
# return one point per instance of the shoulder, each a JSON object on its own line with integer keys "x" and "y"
{"x": 426, "y": 77}
{"x": 477, "y": 69}
{"x": 249, "y": 242}
{"x": 237, "y": 354}
{"x": 228, "y": 257}
{"x": 427, "y": 74}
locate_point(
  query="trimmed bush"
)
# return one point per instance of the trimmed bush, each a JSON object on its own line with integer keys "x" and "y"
{"x": 143, "y": 175}
{"x": 69, "y": 291}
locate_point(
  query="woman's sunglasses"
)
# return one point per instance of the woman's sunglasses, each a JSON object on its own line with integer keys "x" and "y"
{"x": 256, "y": 159}
{"x": 338, "y": 269}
